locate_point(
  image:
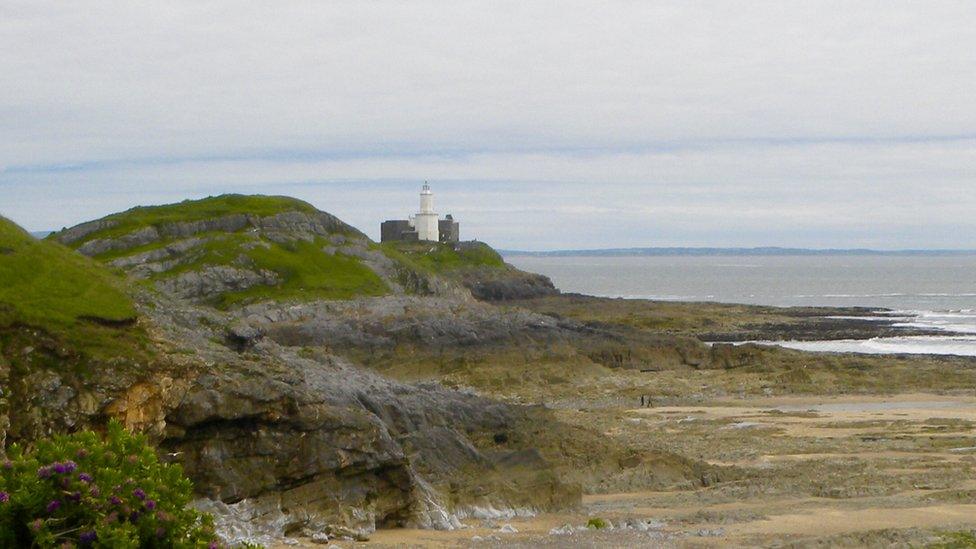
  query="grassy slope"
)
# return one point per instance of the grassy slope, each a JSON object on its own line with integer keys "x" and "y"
{"x": 444, "y": 258}
{"x": 306, "y": 271}
{"x": 195, "y": 210}
{"x": 77, "y": 304}
{"x": 44, "y": 283}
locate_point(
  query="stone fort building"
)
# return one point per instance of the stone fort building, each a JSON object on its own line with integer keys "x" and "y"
{"x": 424, "y": 226}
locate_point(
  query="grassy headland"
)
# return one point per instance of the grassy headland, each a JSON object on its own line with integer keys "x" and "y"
{"x": 76, "y": 309}
{"x": 196, "y": 210}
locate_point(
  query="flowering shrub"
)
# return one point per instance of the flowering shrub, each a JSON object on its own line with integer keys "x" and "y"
{"x": 82, "y": 491}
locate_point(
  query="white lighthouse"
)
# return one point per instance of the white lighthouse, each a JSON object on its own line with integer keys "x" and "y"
{"x": 424, "y": 226}
{"x": 425, "y": 222}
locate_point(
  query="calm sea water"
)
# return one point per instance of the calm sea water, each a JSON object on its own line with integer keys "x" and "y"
{"x": 930, "y": 292}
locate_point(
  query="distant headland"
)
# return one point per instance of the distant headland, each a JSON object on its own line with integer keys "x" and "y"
{"x": 760, "y": 251}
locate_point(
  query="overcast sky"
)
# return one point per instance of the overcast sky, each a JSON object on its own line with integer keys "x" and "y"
{"x": 540, "y": 125}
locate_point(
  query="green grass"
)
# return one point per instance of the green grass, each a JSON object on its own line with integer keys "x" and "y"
{"x": 308, "y": 273}
{"x": 43, "y": 282}
{"x": 956, "y": 540}
{"x": 444, "y": 258}
{"x": 67, "y": 307}
{"x": 196, "y": 210}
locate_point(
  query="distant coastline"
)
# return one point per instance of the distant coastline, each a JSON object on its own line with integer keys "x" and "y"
{"x": 759, "y": 251}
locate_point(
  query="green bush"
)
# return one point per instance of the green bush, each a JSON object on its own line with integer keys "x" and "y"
{"x": 81, "y": 490}
{"x": 956, "y": 540}
{"x": 597, "y": 523}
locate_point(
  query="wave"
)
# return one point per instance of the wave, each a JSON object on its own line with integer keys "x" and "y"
{"x": 915, "y": 345}
{"x": 892, "y": 294}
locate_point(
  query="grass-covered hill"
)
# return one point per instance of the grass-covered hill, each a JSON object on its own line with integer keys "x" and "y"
{"x": 233, "y": 249}
{"x": 44, "y": 283}
{"x": 236, "y": 249}
{"x": 75, "y": 306}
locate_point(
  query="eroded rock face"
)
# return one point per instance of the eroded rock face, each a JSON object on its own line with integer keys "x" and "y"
{"x": 387, "y": 321}
{"x": 292, "y": 224}
{"x": 325, "y": 443}
{"x": 215, "y": 280}
{"x": 507, "y": 285}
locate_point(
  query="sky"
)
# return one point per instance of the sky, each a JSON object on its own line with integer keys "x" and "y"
{"x": 540, "y": 125}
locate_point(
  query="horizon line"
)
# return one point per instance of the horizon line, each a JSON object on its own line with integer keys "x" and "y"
{"x": 734, "y": 250}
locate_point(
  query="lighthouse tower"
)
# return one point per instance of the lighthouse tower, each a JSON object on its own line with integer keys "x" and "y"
{"x": 425, "y": 222}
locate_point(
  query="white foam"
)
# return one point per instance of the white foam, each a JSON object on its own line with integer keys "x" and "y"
{"x": 917, "y": 345}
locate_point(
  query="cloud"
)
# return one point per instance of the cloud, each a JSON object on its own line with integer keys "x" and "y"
{"x": 546, "y": 124}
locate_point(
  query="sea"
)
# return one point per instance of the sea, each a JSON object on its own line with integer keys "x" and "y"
{"x": 925, "y": 291}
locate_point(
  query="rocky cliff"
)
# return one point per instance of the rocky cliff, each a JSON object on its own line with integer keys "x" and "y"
{"x": 235, "y": 330}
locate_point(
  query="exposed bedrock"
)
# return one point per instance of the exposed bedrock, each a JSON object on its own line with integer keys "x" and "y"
{"x": 444, "y": 325}
{"x": 495, "y": 285}
{"x": 327, "y": 444}
{"x": 291, "y": 224}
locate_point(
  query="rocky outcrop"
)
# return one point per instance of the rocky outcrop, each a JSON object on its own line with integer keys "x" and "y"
{"x": 507, "y": 285}
{"x": 215, "y": 280}
{"x": 291, "y": 225}
{"x": 375, "y": 323}
{"x": 80, "y": 232}
{"x": 311, "y": 437}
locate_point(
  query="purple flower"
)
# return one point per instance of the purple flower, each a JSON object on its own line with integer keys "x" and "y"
{"x": 134, "y": 517}
{"x": 87, "y": 537}
{"x": 85, "y": 477}
{"x": 60, "y": 468}
{"x": 94, "y": 491}
{"x": 150, "y": 504}
{"x": 53, "y": 506}
{"x": 4, "y": 497}
{"x": 69, "y": 466}
{"x": 213, "y": 545}
{"x": 139, "y": 493}
{"x": 115, "y": 500}
{"x": 37, "y": 525}
{"x": 75, "y": 496}
{"x": 44, "y": 472}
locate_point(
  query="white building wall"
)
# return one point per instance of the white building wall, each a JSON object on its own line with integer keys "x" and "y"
{"x": 426, "y": 224}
